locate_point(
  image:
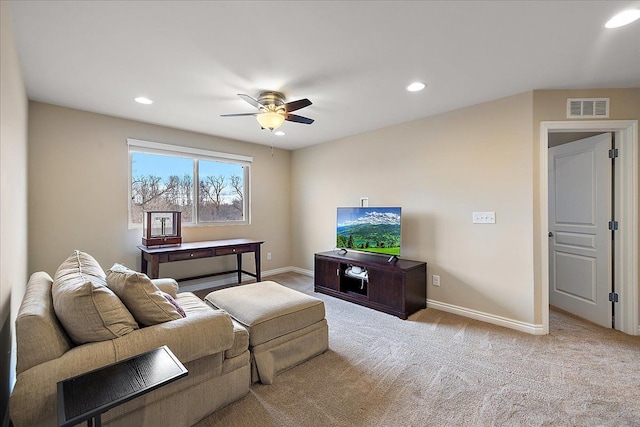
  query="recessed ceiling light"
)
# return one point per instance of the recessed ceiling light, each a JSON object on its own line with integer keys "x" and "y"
{"x": 623, "y": 18}
{"x": 143, "y": 100}
{"x": 279, "y": 133}
{"x": 416, "y": 87}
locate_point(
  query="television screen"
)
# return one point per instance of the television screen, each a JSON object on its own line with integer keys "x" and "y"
{"x": 370, "y": 229}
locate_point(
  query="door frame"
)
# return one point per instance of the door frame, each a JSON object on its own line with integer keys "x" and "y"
{"x": 625, "y": 208}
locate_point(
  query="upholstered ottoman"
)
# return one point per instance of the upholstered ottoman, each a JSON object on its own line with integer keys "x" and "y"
{"x": 286, "y": 327}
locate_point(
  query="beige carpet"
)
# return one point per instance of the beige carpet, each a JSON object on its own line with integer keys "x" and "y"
{"x": 439, "y": 369}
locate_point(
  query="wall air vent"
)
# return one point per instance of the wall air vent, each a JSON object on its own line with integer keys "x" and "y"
{"x": 587, "y": 108}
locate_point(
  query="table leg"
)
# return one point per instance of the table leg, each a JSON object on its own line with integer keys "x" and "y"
{"x": 257, "y": 254}
{"x": 95, "y": 421}
{"x": 155, "y": 266}
{"x": 143, "y": 264}
{"x": 155, "y": 269}
{"x": 239, "y": 256}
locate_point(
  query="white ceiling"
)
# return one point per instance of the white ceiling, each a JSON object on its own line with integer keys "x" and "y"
{"x": 352, "y": 59}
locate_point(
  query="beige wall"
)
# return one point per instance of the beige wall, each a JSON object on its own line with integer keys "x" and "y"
{"x": 550, "y": 105}
{"x": 78, "y": 181}
{"x": 13, "y": 197}
{"x": 439, "y": 170}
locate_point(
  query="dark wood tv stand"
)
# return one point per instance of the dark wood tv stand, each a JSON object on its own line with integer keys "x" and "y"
{"x": 398, "y": 287}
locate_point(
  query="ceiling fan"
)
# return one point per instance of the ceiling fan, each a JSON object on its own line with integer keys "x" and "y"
{"x": 273, "y": 110}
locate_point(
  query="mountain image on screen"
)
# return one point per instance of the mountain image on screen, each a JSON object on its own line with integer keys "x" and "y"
{"x": 375, "y": 229}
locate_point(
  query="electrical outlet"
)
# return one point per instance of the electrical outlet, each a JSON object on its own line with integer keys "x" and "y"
{"x": 268, "y": 256}
{"x": 435, "y": 280}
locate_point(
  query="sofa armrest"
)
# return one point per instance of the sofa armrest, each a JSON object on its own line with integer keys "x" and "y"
{"x": 33, "y": 400}
{"x": 200, "y": 334}
{"x": 169, "y": 286}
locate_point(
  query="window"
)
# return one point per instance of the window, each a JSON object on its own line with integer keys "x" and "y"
{"x": 164, "y": 177}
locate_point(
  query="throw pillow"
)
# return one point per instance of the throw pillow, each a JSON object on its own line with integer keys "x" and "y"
{"x": 87, "y": 309}
{"x": 141, "y": 296}
{"x": 174, "y": 303}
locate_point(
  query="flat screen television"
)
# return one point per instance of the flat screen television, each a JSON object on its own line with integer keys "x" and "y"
{"x": 370, "y": 229}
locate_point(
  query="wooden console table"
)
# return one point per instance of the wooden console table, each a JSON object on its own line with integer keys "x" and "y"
{"x": 152, "y": 257}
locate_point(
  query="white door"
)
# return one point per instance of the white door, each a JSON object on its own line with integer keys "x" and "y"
{"x": 580, "y": 240}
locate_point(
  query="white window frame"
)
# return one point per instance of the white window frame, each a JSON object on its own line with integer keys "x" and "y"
{"x": 149, "y": 147}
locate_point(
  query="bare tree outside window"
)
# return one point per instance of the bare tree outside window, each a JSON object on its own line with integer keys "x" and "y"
{"x": 238, "y": 192}
{"x": 165, "y": 182}
{"x": 218, "y": 199}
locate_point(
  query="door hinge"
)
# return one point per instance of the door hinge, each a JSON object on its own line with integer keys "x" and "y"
{"x": 613, "y": 297}
{"x": 613, "y": 153}
{"x": 613, "y": 225}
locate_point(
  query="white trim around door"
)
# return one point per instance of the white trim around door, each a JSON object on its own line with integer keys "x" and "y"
{"x": 626, "y": 213}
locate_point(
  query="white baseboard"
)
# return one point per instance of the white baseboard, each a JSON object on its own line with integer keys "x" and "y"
{"x": 301, "y": 271}
{"x": 210, "y": 282}
{"x": 277, "y": 271}
{"x": 450, "y": 308}
{"x": 487, "y": 317}
{"x": 232, "y": 279}
{"x": 466, "y": 312}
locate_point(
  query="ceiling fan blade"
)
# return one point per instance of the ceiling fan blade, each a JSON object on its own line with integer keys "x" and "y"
{"x": 251, "y": 101}
{"x": 296, "y": 105}
{"x": 238, "y": 114}
{"x": 298, "y": 119}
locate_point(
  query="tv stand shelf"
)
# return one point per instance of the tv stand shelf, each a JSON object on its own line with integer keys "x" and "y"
{"x": 398, "y": 287}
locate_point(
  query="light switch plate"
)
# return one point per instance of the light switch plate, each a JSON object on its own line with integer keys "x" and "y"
{"x": 484, "y": 217}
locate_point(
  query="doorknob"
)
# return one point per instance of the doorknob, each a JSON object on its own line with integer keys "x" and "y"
{"x": 550, "y": 234}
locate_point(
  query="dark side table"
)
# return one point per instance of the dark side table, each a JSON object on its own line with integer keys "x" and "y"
{"x": 87, "y": 396}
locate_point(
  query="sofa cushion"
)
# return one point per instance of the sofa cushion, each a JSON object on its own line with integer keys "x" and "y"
{"x": 143, "y": 299}
{"x": 87, "y": 309}
{"x": 203, "y": 332}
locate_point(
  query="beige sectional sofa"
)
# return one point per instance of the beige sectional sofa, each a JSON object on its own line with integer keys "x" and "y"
{"x": 210, "y": 345}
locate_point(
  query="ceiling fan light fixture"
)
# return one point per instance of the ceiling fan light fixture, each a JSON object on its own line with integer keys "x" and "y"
{"x": 623, "y": 18}
{"x": 143, "y": 100}
{"x": 270, "y": 120}
{"x": 416, "y": 87}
